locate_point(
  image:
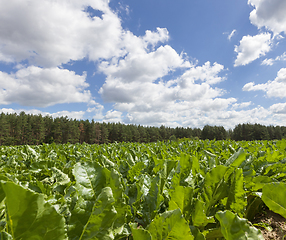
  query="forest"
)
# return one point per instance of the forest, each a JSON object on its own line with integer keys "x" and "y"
{"x": 21, "y": 129}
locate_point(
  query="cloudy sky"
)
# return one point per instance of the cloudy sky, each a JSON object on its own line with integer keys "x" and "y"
{"x": 149, "y": 62}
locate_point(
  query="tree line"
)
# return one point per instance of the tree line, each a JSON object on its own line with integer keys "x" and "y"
{"x": 21, "y": 129}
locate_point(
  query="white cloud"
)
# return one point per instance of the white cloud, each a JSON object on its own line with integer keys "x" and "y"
{"x": 34, "y": 86}
{"x": 97, "y": 110}
{"x": 113, "y": 116}
{"x": 269, "y": 14}
{"x": 241, "y": 105}
{"x": 49, "y": 33}
{"x": 40, "y": 36}
{"x": 72, "y": 114}
{"x": 278, "y": 108}
{"x": 275, "y": 88}
{"x": 252, "y": 47}
{"x": 268, "y": 62}
{"x": 205, "y": 73}
{"x": 231, "y": 34}
{"x": 139, "y": 63}
{"x": 271, "y": 61}
{"x": 162, "y": 35}
{"x": 136, "y": 85}
{"x": 69, "y": 114}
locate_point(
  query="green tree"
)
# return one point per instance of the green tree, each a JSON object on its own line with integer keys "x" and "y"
{"x": 4, "y": 129}
{"x": 57, "y": 130}
{"x": 38, "y": 129}
{"x": 143, "y": 134}
{"x": 104, "y": 133}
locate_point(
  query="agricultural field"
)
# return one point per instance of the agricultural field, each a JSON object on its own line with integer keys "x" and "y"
{"x": 186, "y": 189}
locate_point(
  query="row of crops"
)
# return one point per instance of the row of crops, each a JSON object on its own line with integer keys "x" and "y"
{"x": 165, "y": 190}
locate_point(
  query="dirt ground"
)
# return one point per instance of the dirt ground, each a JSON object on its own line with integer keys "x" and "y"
{"x": 274, "y": 225}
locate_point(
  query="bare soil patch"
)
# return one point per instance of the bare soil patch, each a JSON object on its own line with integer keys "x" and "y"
{"x": 272, "y": 225}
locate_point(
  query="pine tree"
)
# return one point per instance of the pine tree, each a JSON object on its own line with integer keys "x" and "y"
{"x": 4, "y": 129}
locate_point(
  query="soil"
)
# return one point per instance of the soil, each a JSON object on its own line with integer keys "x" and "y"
{"x": 275, "y": 225}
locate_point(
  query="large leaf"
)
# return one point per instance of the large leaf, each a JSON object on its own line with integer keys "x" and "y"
{"x": 183, "y": 170}
{"x": 30, "y": 217}
{"x": 91, "y": 178}
{"x": 215, "y": 188}
{"x": 199, "y": 216}
{"x": 254, "y": 205}
{"x": 152, "y": 200}
{"x": 182, "y": 197}
{"x": 274, "y": 196}
{"x": 99, "y": 224}
{"x": 197, "y": 234}
{"x": 235, "y": 228}
{"x": 236, "y": 159}
{"x": 140, "y": 233}
{"x": 170, "y": 225}
{"x": 236, "y": 200}
{"x": 167, "y": 167}
{"x": 93, "y": 184}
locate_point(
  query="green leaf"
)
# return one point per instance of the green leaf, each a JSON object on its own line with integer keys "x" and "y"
{"x": 254, "y": 205}
{"x": 235, "y": 228}
{"x": 60, "y": 177}
{"x": 182, "y": 197}
{"x": 167, "y": 167}
{"x": 183, "y": 170}
{"x": 199, "y": 217}
{"x": 30, "y": 217}
{"x": 92, "y": 182}
{"x": 170, "y": 225}
{"x": 214, "y": 234}
{"x": 135, "y": 171}
{"x": 5, "y": 236}
{"x": 236, "y": 198}
{"x": 274, "y": 195}
{"x": 152, "y": 200}
{"x": 236, "y": 159}
{"x": 99, "y": 224}
{"x": 91, "y": 178}
{"x": 259, "y": 181}
{"x": 140, "y": 233}
{"x": 215, "y": 188}
{"x": 197, "y": 234}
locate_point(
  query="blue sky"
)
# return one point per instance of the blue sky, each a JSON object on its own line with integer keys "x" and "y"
{"x": 152, "y": 62}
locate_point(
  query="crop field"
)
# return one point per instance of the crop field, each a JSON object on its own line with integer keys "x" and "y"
{"x": 165, "y": 190}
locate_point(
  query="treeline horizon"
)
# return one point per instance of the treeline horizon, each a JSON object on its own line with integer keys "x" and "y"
{"x": 22, "y": 129}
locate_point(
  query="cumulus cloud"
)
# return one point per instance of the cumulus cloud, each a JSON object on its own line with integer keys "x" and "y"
{"x": 42, "y": 87}
{"x": 97, "y": 110}
{"x": 278, "y": 108}
{"x": 50, "y": 33}
{"x": 69, "y": 114}
{"x": 140, "y": 64}
{"x": 113, "y": 116}
{"x": 252, "y": 47}
{"x": 271, "y": 61}
{"x": 241, "y": 105}
{"x": 268, "y": 61}
{"x": 136, "y": 85}
{"x": 269, "y": 14}
{"x": 147, "y": 81}
{"x": 275, "y": 88}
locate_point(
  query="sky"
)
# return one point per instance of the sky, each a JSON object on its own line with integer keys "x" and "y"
{"x": 175, "y": 63}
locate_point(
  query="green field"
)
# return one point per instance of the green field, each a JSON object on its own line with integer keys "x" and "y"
{"x": 165, "y": 190}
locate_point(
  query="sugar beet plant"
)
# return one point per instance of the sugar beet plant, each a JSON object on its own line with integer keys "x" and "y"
{"x": 165, "y": 190}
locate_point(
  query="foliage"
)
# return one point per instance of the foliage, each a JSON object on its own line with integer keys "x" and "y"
{"x": 31, "y": 129}
{"x": 184, "y": 189}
